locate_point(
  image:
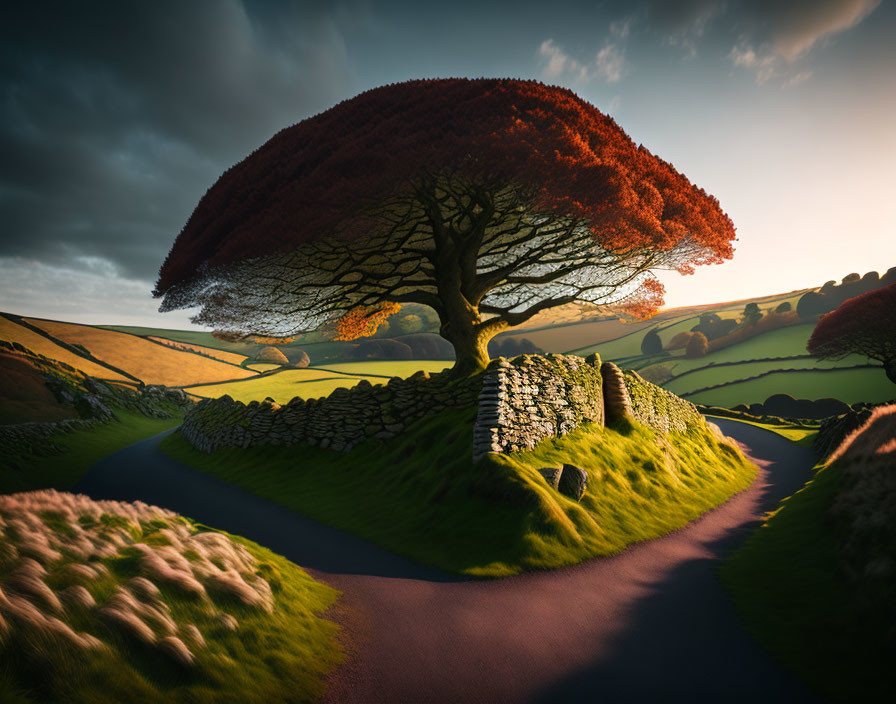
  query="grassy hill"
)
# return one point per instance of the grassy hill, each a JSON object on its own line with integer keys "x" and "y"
{"x": 13, "y": 332}
{"x": 421, "y": 495}
{"x": 745, "y": 372}
{"x": 815, "y": 583}
{"x": 152, "y": 607}
{"x": 141, "y": 358}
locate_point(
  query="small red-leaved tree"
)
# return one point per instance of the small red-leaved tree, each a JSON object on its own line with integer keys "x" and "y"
{"x": 488, "y": 200}
{"x": 863, "y": 325}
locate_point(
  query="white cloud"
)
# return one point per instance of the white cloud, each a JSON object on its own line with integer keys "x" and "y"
{"x": 558, "y": 61}
{"x": 763, "y": 65}
{"x": 610, "y": 63}
{"x": 621, "y": 28}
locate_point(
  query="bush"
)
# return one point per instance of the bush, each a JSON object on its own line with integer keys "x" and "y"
{"x": 752, "y": 314}
{"x": 512, "y": 346}
{"x": 651, "y": 344}
{"x": 427, "y": 345}
{"x": 382, "y": 349}
{"x": 770, "y": 322}
{"x": 271, "y": 355}
{"x": 698, "y": 345}
{"x": 785, "y": 307}
{"x": 714, "y": 326}
{"x": 299, "y": 359}
{"x": 813, "y": 304}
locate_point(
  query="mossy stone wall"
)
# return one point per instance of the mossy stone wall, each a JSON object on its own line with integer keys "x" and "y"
{"x": 533, "y": 397}
{"x": 659, "y": 409}
{"x": 341, "y": 421}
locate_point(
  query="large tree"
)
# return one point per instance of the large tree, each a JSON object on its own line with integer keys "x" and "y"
{"x": 863, "y": 325}
{"x": 489, "y": 200}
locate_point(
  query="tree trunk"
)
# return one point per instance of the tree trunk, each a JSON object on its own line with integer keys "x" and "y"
{"x": 463, "y": 327}
{"x": 470, "y": 348}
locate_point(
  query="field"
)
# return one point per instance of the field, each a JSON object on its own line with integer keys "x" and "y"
{"x": 770, "y": 354}
{"x": 317, "y": 351}
{"x": 403, "y": 368}
{"x": 263, "y": 367}
{"x": 848, "y": 385}
{"x": 229, "y": 357}
{"x": 12, "y": 332}
{"x": 151, "y": 362}
{"x": 313, "y": 382}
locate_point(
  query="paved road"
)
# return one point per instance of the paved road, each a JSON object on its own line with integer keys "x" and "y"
{"x": 652, "y": 624}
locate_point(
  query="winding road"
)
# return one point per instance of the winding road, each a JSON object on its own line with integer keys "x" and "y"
{"x": 652, "y": 624}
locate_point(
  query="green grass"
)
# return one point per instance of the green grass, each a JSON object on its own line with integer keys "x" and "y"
{"x": 402, "y": 368}
{"x": 81, "y": 450}
{"x": 848, "y": 385}
{"x": 796, "y": 434}
{"x": 720, "y": 375}
{"x": 783, "y": 342}
{"x": 422, "y": 496}
{"x": 785, "y": 582}
{"x": 276, "y": 657}
{"x": 314, "y": 382}
{"x": 262, "y": 366}
{"x": 282, "y": 386}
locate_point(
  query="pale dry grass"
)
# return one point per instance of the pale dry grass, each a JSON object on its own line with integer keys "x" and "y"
{"x": 229, "y": 357}
{"x": 149, "y": 362}
{"x": 876, "y": 437}
{"x": 55, "y": 553}
{"x": 11, "y": 332}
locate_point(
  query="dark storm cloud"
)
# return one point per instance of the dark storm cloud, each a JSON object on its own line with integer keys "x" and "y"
{"x": 115, "y": 117}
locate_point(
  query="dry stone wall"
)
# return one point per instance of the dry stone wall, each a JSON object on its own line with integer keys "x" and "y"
{"x": 533, "y": 397}
{"x": 520, "y": 403}
{"x": 659, "y": 409}
{"x": 341, "y": 421}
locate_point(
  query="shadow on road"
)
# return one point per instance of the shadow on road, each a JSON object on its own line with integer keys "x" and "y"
{"x": 143, "y": 472}
{"x": 668, "y": 642}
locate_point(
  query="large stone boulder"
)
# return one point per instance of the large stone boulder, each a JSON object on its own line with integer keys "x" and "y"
{"x": 573, "y": 481}
{"x": 551, "y": 475}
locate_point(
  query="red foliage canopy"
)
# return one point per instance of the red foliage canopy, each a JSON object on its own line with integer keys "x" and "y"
{"x": 863, "y": 325}
{"x": 313, "y": 179}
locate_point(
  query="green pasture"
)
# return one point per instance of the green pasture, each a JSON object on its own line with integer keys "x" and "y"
{"x": 387, "y": 368}
{"x": 263, "y": 366}
{"x": 281, "y": 386}
{"x": 848, "y": 385}
{"x": 712, "y": 376}
{"x": 314, "y": 382}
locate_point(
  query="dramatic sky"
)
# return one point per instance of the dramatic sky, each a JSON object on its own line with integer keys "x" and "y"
{"x": 116, "y": 117}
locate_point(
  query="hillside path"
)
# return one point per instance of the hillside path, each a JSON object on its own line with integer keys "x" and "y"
{"x": 652, "y": 624}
